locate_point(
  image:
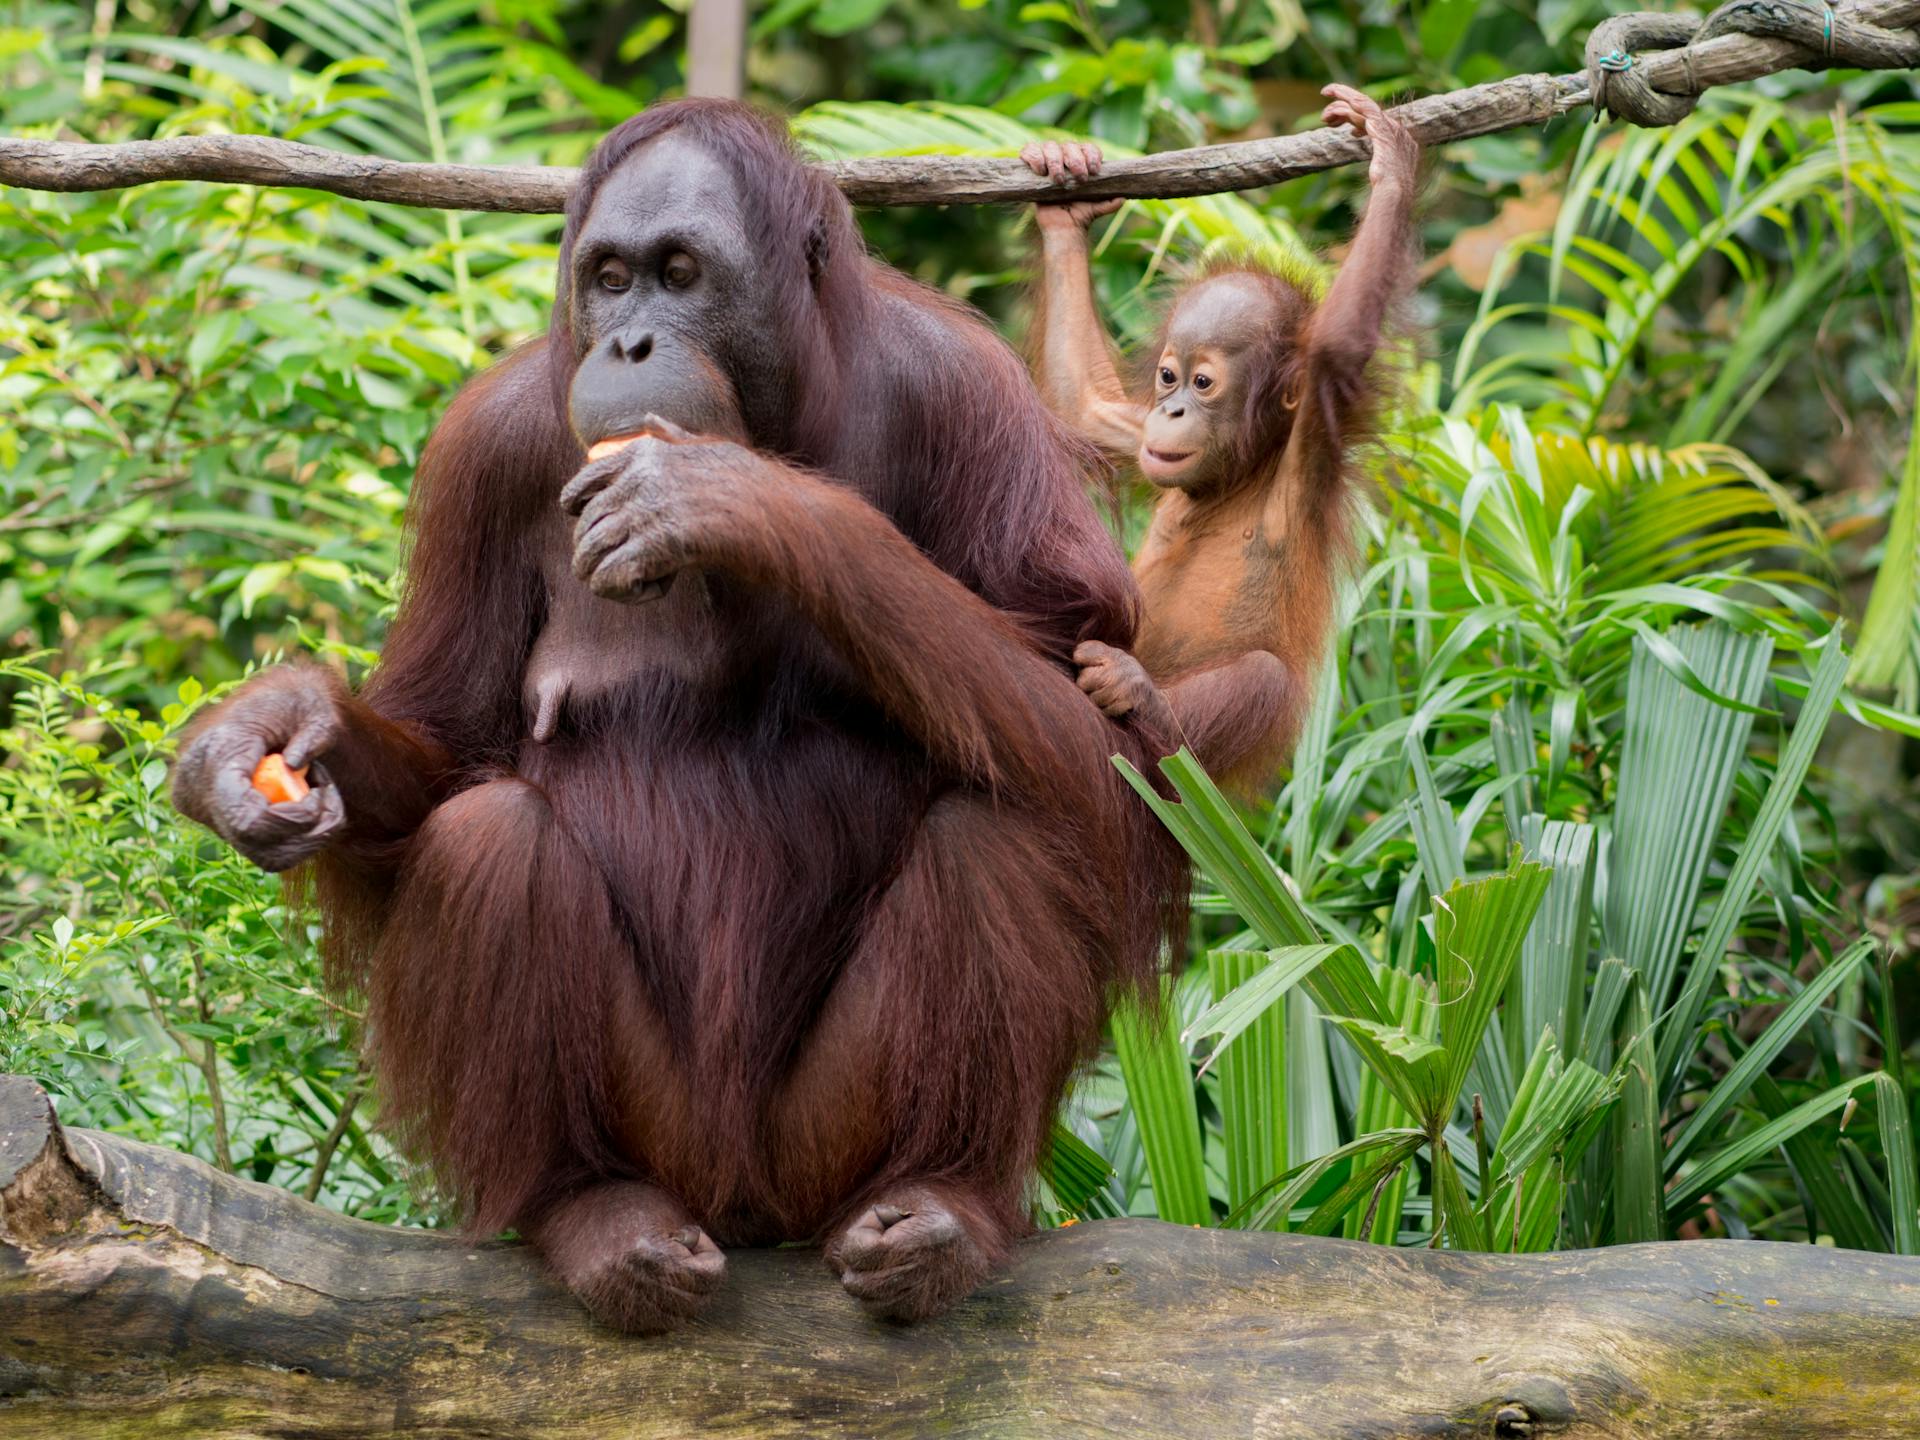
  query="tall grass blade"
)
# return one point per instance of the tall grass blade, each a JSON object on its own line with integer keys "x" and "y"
{"x": 1738, "y": 1154}
{"x": 1903, "y": 1170}
{"x": 1837, "y": 1208}
{"x": 1732, "y": 1087}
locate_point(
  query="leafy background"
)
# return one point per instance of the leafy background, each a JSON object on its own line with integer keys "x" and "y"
{"x": 1581, "y": 916}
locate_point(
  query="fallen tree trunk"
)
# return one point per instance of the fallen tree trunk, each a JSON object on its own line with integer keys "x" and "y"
{"x": 143, "y": 1293}
{"x": 911, "y": 180}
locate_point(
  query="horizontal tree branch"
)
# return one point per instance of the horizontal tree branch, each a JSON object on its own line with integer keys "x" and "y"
{"x": 144, "y": 1293}
{"x": 915, "y": 180}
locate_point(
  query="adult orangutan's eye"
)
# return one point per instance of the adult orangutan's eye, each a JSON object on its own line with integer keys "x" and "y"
{"x": 614, "y": 276}
{"x": 679, "y": 270}
{"x": 1166, "y": 376}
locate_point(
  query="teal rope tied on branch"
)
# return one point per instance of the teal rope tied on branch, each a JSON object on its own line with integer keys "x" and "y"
{"x": 1615, "y": 86}
{"x": 1613, "y": 82}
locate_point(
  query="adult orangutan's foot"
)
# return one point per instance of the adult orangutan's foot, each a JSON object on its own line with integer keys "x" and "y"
{"x": 632, "y": 1255}
{"x": 913, "y": 1252}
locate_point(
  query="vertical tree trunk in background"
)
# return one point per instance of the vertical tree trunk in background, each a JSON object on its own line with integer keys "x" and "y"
{"x": 717, "y": 48}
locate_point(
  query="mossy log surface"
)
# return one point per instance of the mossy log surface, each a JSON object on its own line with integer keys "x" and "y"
{"x": 143, "y": 1293}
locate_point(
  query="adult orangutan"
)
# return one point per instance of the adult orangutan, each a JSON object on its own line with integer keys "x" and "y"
{"x": 722, "y": 847}
{"x": 1258, "y": 400}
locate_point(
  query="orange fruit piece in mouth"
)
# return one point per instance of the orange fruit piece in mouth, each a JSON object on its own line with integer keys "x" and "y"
{"x": 614, "y": 444}
{"x": 279, "y": 781}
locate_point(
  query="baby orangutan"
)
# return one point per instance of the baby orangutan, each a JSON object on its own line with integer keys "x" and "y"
{"x": 1259, "y": 398}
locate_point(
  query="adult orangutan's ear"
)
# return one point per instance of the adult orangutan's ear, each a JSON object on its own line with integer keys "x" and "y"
{"x": 817, "y": 251}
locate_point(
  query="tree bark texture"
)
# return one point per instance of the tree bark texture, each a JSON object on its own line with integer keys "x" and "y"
{"x": 145, "y": 1294}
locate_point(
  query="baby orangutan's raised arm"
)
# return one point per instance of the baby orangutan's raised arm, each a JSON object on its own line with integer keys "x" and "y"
{"x": 1258, "y": 400}
{"x": 1073, "y": 357}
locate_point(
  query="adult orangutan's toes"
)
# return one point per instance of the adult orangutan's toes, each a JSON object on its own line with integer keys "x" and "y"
{"x": 908, "y": 1261}
{"x": 631, "y": 1255}
{"x": 660, "y": 1284}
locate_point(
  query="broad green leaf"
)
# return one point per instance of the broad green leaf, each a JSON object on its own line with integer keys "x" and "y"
{"x": 1637, "y": 1213}
{"x": 1160, "y": 1089}
{"x": 1412, "y": 1067}
{"x": 1677, "y": 765}
{"x": 1478, "y": 928}
{"x": 1270, "y": 1206}
{"x": 1678, "y": 1038}
{"x": 1267, "y": 976}
{"x": 1454, "y": 1215}
{"x": 1253, "y": 1076}
{"x": 1205, "y": 825}
{"x": 1549, "y": 985}
{"x": 1077, "y": 1173}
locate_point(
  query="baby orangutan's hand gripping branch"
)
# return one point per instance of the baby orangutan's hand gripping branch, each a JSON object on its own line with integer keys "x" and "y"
{"x": 1257, "y": 402}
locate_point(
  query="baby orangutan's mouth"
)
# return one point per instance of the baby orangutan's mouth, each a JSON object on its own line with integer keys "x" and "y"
{"x": 1164, "y": 465}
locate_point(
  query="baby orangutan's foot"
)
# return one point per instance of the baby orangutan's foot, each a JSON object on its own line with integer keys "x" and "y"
{"x": 1120, "y": 685}
{"x": 632, "y": 1256}
{"x": 914, "y": 1252}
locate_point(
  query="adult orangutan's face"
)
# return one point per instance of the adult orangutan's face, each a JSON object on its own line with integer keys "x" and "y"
{"x": 669, "y": 297}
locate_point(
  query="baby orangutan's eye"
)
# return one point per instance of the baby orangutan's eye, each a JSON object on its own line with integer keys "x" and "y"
{"x": 1203, "y": 382}
{"x": 1166, "y": 376}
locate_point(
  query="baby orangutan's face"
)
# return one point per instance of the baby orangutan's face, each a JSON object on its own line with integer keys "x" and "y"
{"x": 1200, "y": 380}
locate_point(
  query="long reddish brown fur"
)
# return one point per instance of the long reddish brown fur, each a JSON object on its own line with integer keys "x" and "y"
{"x": 1241, "y": 682}
{"x": 807, "y": 906}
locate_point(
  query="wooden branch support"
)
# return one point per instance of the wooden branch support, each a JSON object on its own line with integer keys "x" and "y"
{"x": 916, "y": 180}
{"x": 144, "y": 1294}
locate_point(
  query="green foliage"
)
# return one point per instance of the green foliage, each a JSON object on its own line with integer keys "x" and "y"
{"x": 1540, "y": 579}
{"x": 1592, "y": 628}
{"x": 162, "y": 987}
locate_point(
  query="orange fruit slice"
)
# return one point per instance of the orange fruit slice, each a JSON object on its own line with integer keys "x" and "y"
{"x": 279, "y": 781}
